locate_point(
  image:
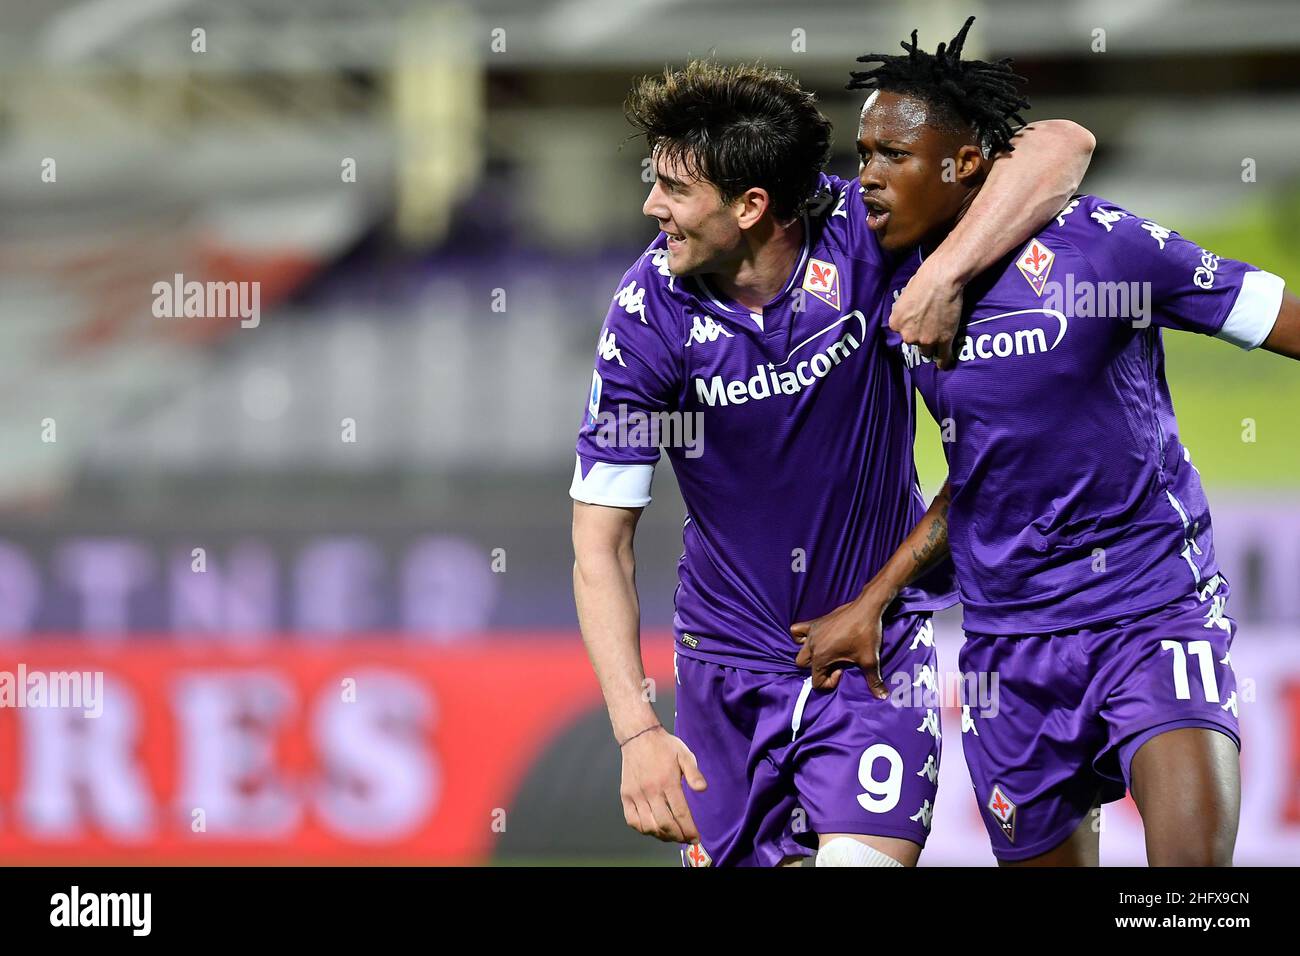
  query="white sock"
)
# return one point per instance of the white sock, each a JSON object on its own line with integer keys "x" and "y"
{"x": 844, "y": 851}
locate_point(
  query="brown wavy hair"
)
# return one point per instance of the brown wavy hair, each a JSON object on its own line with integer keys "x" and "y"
{"x": 737, "y": 127}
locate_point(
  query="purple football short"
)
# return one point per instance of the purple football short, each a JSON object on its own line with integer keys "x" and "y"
{"x": 785, "y": 762}
{"x": 1073, "y": 708}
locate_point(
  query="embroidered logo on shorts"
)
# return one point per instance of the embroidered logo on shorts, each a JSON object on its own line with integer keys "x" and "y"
{"x": 1004, "y": 811}
{"x": 923, "y": 815}
{"x": 931, "y": 769}
{"x": 690, "y": 641}
{"x": 696, "y": 855}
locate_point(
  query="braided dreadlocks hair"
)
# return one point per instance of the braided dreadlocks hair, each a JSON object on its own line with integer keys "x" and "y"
{"x": 964, "y": 94}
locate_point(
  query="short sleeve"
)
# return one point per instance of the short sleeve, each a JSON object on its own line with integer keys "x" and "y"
{"x": 636, "y": 379}
{"x": 1175, "y": 282}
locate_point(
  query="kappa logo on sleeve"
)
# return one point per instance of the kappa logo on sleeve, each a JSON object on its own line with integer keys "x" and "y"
{"x": 1034, "y": 264}
{"x": 1157, "y": 232}
{"x": 1107, "y": 217}
{"x": 632, "y": 301}
{"x": 1004, "y": 811}
{"x": 822, "y": 279}
{"x": 608, "y": 348}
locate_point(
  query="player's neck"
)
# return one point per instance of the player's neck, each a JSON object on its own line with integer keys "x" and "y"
{"x": 764, "y": 266}
{"x": 932, "y": 242}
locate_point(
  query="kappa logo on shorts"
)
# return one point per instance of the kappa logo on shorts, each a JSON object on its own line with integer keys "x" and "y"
{"x": 696, "y": 855}
{"x": 924, "y": 815}
{"x": 924, "y": 635}
{"x": 930, "y": 724}
{"x": 1004, "y": 811}
{"x": 931, "y": 769}
{"x": 925, "y": 678}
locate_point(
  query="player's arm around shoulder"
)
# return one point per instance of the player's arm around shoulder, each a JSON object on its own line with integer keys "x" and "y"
{"x": 654, "y": 761}
{"x": 1025, "y": 188}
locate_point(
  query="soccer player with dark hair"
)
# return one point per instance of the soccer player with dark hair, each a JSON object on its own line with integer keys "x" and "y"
{"x": 749, "y": 324}
{"x": 1074, "y": 516}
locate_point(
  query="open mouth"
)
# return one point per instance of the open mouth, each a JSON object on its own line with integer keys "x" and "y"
{"x": 877, "y": 213}
{"x": 675, "y": 241}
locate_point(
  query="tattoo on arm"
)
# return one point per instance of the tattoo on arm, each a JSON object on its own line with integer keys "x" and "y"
{"x": 936, "y": 533}
{"x": 925, "y": 553}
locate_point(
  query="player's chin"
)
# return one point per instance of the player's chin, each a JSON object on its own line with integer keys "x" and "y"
{"x": 892, "y": 239}
{"x": 680, "y": 265}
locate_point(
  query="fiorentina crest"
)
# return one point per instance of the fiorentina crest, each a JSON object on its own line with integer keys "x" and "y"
{"x": 695, "y": 855}
{"x": 1004, "y": 811}
{"x": 1034, "y": 264}
{"x": 823, "y": 280}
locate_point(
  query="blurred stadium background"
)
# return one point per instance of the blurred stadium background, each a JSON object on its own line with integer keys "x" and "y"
{"x": 365, "y": 651}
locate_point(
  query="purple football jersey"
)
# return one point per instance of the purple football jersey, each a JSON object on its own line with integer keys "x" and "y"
{"x": 1073, "y": 500}
{"x": 790, "y": 434}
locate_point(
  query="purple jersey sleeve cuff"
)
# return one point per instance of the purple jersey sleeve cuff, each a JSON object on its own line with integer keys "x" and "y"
{"x": 613, "y": 485}
{"x": 1253, "y": 314}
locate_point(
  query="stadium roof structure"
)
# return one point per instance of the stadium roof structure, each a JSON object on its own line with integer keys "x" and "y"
{"x": 358, "y": 34}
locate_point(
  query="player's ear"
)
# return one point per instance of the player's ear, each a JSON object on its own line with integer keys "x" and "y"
{"x": 750, "y": 206}
{"x": 968, "y": 161}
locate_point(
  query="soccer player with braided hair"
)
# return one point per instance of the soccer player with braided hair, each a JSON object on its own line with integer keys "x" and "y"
{"x": 1074, "y": 516}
